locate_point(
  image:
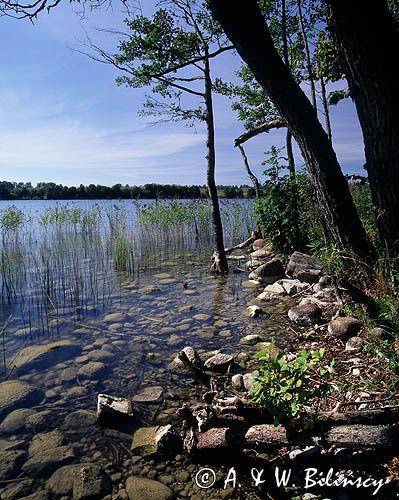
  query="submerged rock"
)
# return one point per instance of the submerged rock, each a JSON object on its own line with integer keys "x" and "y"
{"x": 92, "y": 370}
{"x": 40, "y": 356}
{"x": 269, "y": 272}
{"x": 15, "y": 394}
{"x": 45, "y": 441}
{"x": 138, "y": 487}
{"x": 305, "y": 314}
{"x": 91, "y": 482}
{"x": 61, "y": 482}
{"x": 16, "y": 421}
{"x": 343, "y": 328}
{"x": 250, "y": 339}
{"x": 20, "y": 489}
{"x": 150, "y": 395}
{"x": 45, "y": 462}
{"x": 10, "y": 463}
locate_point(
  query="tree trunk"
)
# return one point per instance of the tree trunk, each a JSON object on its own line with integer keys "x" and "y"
{"x": 307, "y": 56}
{"x": 368, "y": 41}
{"x": 246, "y": 28}
{"x": 325, "y": 106}
{"x": 251, "y": 175}
{"x": 219, "y": 257}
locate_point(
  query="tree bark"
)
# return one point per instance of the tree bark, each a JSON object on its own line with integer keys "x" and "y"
{"x": 246, "y": 28}
{"x": 219, "y": 257}
{"x": 251, "y": 175}
{"x": 325, "y": 106}
{"x": 368, "y": 40}
{"x": 259, "y": 129}
{"x": 307, "y": 57}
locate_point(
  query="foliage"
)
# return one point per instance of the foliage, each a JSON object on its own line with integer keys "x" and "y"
{"x": 277, "y": 211}
{"x": 11, "y": 218}
{"x": 285, "y": 388}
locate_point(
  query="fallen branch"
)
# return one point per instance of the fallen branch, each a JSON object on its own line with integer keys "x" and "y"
{"x": 264, "y": 127}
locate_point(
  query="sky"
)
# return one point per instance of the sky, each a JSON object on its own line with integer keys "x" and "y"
{"x": 63, "y": 119}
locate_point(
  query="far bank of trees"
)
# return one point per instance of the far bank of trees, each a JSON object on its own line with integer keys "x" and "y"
{"x": 53, "y": 191}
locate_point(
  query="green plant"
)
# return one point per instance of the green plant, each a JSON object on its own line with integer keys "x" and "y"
{"x": 286, "y": 387}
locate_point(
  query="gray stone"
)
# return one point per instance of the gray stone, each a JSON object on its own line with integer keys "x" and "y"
{"x": 213, "y": 439}
{"x": 113, "y": 408}
{"x": 309, "y": 276}
{"x": 253, "y": 311}
{"x": 45, "y": 441}
{"x": 92, "y": 370}
{"x": 219, "y": 362}
{"x": 15, "y": 394}
{"x": 20, "y": 489}
{"x": 293, "y": 287}
{"x": 305, "y": 454}
{"x": 10, "y": 464}
{"x": 38, "y": 495}
{"x": 141, "y": 488}
{"x": 379, "y": 333}
{"x": 148, "y": 441}
{"x": 269, "y": 272}
{"x": 379, "y": 436}
{"x": 262, "y": 253}
{"x": 250, "y": 339}
{"x": 91, "y": 483}
{"x": 192, "y": 356}
{"x": 61, "y": 482}
{"x": 354, "y": 344}
{"x": 305, "y": 314}
{"x": 302, "y": 262}
{"x": 45, "y": 462}
{"x": 344, "y": 328}
{"x": 275, "y": 288}
{"x": 248, "y": 380}
{"x": 39, "y": 356}
{"x": 81, "y": 419}
{"x": 39, "y": 421}
{"x": 150, "y": 395}
{"x": 266, "y": 435}
{"x": 259, "y": 243}
{"x": 237, "y": 382}
{"x": 15, "y": 422}
{"x": 69, "y": 375}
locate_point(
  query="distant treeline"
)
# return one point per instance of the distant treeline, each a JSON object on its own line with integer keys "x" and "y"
{"x": 52, "y": 191}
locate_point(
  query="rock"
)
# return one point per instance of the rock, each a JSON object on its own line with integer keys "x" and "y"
{"x": 100, "y": 355}
{"x": 343, "y": 328}
{"x": 91, "y": 482}
{"x": 38, "y": 495}
{"x": 213, "y": 439}
{"x": 15, "y": 422}
{"x": 201, "y": 317}
{"x": 45, "y": 441}
{"x": 305, "y": 454}
{"x": 327, "y": 294}
{"x": 253, "y": 311}
{"x": 269, "y": 272}
{"x": 354, "y": 344}
{"x": 309, "y": 276}
{"x": 92, "y": 370}
{"x": 248, "y": 380}
{"x": 237, "y": 382}
{"x": 293, "y": 287}
{"x": 20, "y": 489}
{"x": 305, "y": 314}
{"x": 61, "y": 482}
{"x": 302, "y": 262}
{"x": 250, "y": 339}
{"x": 266, "y": 296}
{"x": 81, "y": 419}
{"x": 112, "y": 317}
{"x": 138, "y": 487}
{"x": 37, "y": 356}
{"x": 69, "y": 375}
{"x": 266, "y": 435}
{"x": 275, "y": 288}
{"x": 259, "y": 243}
{"x": 379, "y": 333}
{"x": 150, "y": 440}
{"x": 44, "y": 463}
{"x": 150, "y": 395}
{"x": 262, "y": 253}
{"x": 111, "y": 408}
{"x": 192, "y": 356}
{"x": 379, "y": 436}
{"x": 39, "y": 421}
{"x": 219, "y": 362}
{"x": 15, "y": 394}
{"x": 10, "y": 464}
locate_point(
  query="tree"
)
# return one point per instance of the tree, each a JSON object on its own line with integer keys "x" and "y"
{"x": 367, "y": 35}
{"x": 247, "y": 29}
{"x": 157, "y": 52}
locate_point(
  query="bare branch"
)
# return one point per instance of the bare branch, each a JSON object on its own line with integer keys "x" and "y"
{"x": 264, "y": 127}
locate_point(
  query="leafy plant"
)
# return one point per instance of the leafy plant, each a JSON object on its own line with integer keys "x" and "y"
{"x": 286, "y": 387}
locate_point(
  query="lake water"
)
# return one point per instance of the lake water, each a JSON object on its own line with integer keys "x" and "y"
{"x": 126, "y": 293}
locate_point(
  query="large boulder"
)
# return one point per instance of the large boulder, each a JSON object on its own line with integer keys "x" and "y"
{"x": 39, "y": 356}
{"x": 269, "y": 272}
{"x": 138, "y": 487}
{"x": 379, "y": 436}
{"x": 213, "y": 439}
{"x": 15, "y": 421}
{"x": 15, "y": 394}
{"x": 61, "y": 482}
{"x": 91, "y": 483}
{"x": 46, "y": 440}
{"x": 344, "y": 328}
{"x": 10, "y": 463}
{"x": 305, "y": 314}
{"x": 302, "y": 262}
{"x": 148, "y": 441}
{"x": 219, "y": 362}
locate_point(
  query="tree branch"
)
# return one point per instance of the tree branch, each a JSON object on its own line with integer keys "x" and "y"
{"x": 264, "y": 127}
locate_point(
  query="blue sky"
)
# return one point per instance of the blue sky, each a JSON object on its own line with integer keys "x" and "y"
{"x": 63, "y": 119}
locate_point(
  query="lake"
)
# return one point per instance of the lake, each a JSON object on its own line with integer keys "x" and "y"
{"x": 99, "y": 297}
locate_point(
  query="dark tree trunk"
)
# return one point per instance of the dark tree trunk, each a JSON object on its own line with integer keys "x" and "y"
{"x": 307, "y": 56}
{"x": 246, "y": 28}
{"x": 219, "y": 257}
{"x": 368, "y": 40}
{"x": 251, "y": 175}
{"x": 325, "y": 106}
